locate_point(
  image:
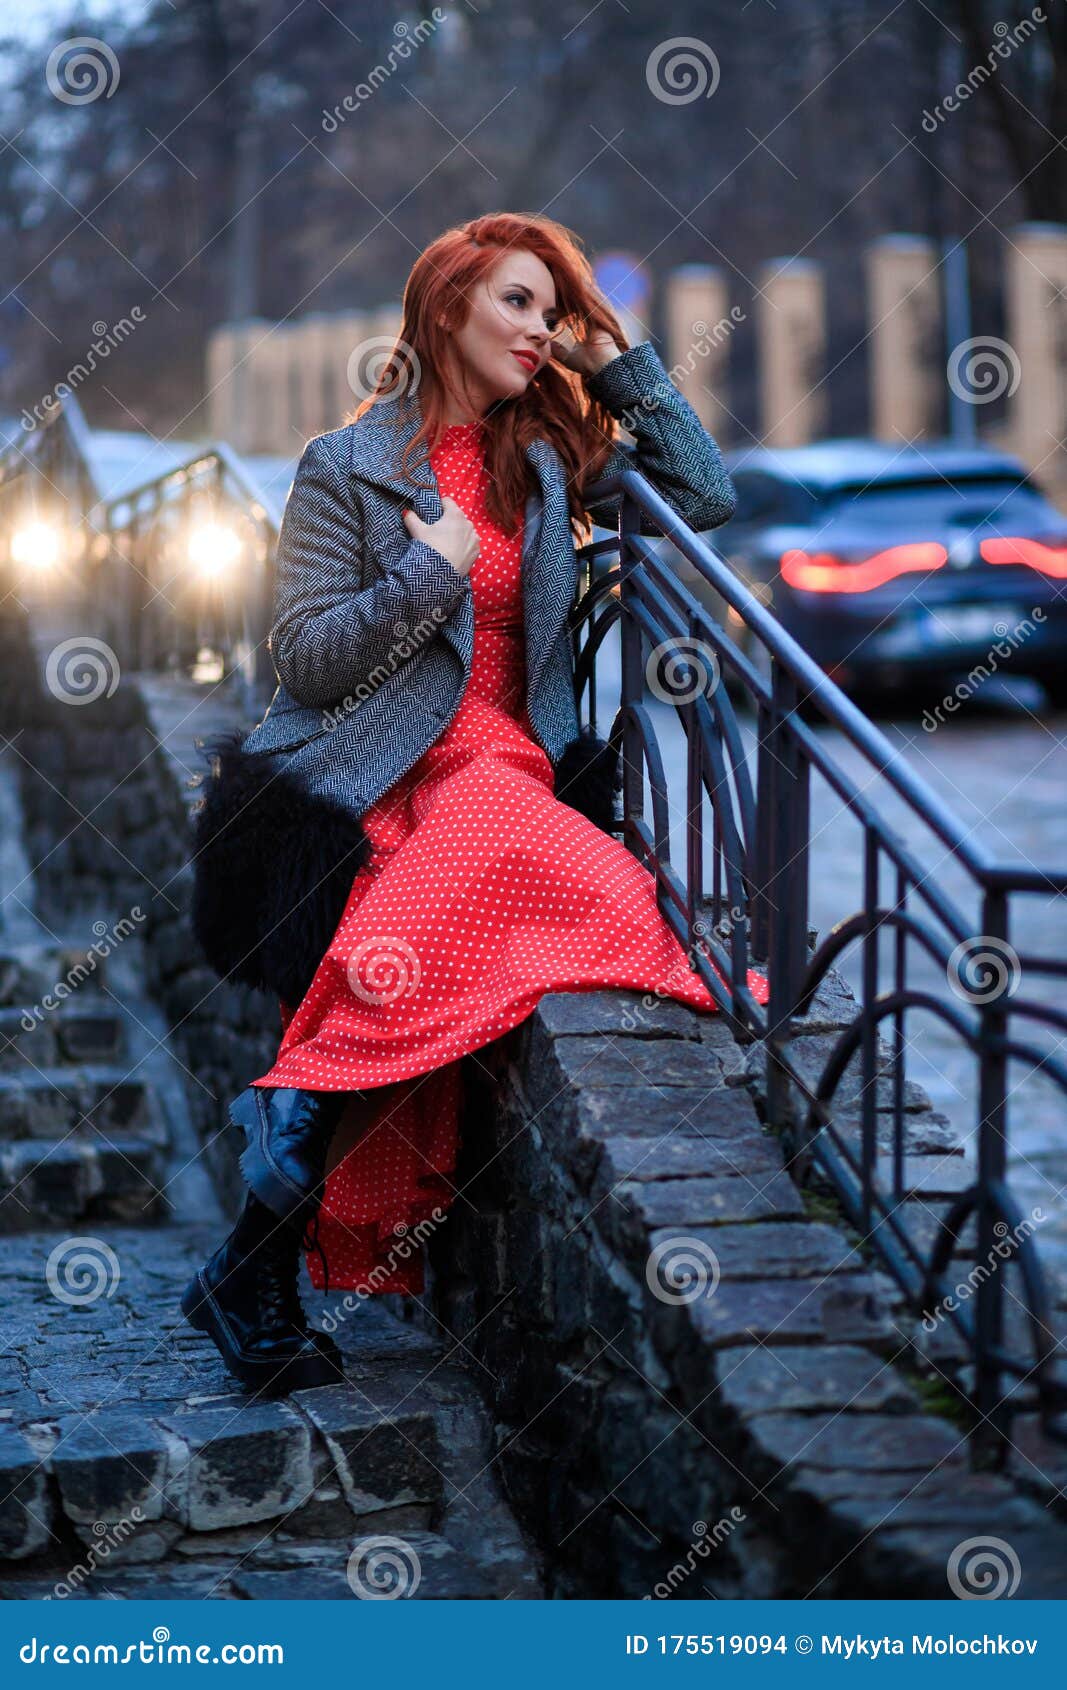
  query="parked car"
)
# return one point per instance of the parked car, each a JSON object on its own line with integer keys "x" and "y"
{"x": 899, "y": 566}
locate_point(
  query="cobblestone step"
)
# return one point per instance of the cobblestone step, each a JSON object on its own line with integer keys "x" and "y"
{"x": 78, "y": 1144}
{"x": 31, "y": 1037}
{"x": 37, "y": 969}
{"x": 99, "y": 1097}
{"x": 126, "y": 1450}
{"x": 71, "y": 1181}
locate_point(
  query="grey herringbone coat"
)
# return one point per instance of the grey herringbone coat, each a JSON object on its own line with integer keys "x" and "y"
{"x": 372, "y": 637}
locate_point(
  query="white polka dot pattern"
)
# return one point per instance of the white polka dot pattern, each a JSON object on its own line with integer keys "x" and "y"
{"x": 484, "y": 892}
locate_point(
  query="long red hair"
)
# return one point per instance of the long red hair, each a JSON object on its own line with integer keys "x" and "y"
{"x": 556, "y": 406}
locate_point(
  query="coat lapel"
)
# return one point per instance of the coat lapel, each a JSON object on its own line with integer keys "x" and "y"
{"x": 549, "y": 564}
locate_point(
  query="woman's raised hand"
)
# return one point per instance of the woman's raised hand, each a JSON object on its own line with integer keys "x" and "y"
{"x": 453, "y": 534}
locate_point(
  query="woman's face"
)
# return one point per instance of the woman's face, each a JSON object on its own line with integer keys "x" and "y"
{"x": 505, "y": 341}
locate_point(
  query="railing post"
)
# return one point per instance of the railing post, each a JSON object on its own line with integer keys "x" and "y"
{"x": 783, "y": 825}
{"x": 992, "y": 1431}
{"x": 633, "y": 772}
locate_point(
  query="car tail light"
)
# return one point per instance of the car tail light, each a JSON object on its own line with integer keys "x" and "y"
{"x": 827, "y": 572}
{"x": 1048, "y": 560}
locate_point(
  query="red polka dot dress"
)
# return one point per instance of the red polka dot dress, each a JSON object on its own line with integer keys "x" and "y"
{"x": 483, "y": 892}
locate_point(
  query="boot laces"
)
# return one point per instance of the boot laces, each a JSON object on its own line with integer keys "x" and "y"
{"x": 277, "y": 1280}
{"x": 311, "y": 1241}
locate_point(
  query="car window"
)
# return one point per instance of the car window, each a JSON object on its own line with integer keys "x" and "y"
{"x": 758, "y": 497}
{"x": 1003, "y": 501}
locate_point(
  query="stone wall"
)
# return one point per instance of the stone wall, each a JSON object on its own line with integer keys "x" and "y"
{"x": 702, "y": 1388}
{"x": 106, "y": 798}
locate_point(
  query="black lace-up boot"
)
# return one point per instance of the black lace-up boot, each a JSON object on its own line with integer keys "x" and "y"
{"x": 245, "y": 1298}
{"x": 288, "y": 1132}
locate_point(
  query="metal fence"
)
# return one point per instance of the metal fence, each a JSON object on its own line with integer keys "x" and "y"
{"x": 742, "y": 901}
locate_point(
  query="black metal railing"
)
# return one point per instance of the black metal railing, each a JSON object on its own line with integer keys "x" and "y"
{"x": 167, "y": 609}
{"x": 742, "y": 901}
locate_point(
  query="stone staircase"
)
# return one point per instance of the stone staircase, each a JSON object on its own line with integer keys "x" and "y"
{"x": 131, "y": 1463}
{"x": 80, "y": 1138}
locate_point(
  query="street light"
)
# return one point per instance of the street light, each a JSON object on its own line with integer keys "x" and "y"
{"x": 213, "y": 548}
{"x": 37, "y": 545}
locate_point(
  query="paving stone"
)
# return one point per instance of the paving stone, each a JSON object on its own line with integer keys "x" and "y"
{"x": 379, "y": 1459}
{"x": 424, "y": 1566}
{"x": 885, "y": 1443}
{"x": 26, "y": 1512}
{"x": 769, "y": 1249}
{"x": 628, "y": 1063}
{"x": 842, "y": 1309}
{"x": 252, "y": 1465}
{"x": 675, "y": 1157}
{"x": 790, "y": 1379}
{"x": 112, "y": 1467}
{"x": 637, "y": 1014}
{"x": 580, "y": 1123}
{"x": 634, "y": 1210}
{"x": 1037, "y": 1555}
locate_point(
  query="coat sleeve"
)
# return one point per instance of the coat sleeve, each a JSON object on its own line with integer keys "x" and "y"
{"x": 672, "y": 448}
{"x": 327, "y": 636}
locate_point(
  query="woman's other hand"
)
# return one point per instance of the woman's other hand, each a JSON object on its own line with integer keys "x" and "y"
{"x": 453, "y": 534}
{"x": 586, "y": 356}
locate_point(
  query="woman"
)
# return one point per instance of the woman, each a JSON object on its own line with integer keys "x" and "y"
{"x": 415, "y": 843}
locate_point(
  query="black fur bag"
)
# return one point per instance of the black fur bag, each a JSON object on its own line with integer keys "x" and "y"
{"x": 273, "y": 868}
